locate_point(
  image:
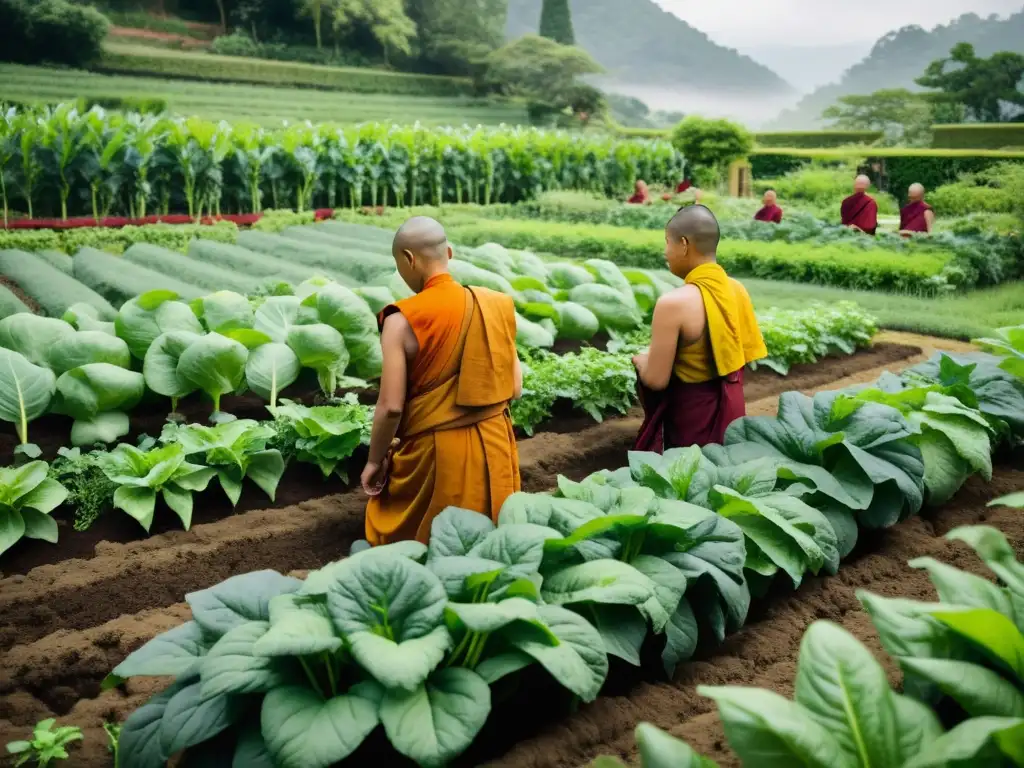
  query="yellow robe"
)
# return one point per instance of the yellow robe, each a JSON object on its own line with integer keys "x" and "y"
{"x": 456, "y": 444}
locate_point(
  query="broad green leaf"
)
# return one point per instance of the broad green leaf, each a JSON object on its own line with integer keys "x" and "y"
{"x": 438, "y": 720}
{"x": 980, "y": 740}
{"x": 277, "y": 315}
{"x": 681, "y": 636}
{"x": 391, "y": 611}
{"x": 501, "y": 665}
{"x": 490, "y": 617}
{"x": 232, "y": 666}
{"x": 191, "y": 718}
{"x": 224, "y": 311}
{"x": 622, "y": 628}
{"x": 660, "y": 750}
{"x": 961, "y": 588}
{"x": 25, "y": 390}
{"x": 979, "y": 691}
{"x": 265, "y": 468}
{"x": 138, "y": 502}
{"x": 456, "y": 531}
{"x": 846, "y": 691}
{"x": 43, "y": 495}
{"x": 33, "y": 336}
{"x": 172, "y": 653}
{"x": 578, "y": 662}
{"x": 180, "y": 502}
{"x": 669, "y": 586}
{"x": 271, "y": 368}
{"x": 992, "y": 632}
{"x": 765, "y": 729}
{"x": 95, "y": 388}
{"x": 563, "y": 515}
{"x": 993, "y": 548}
{"x": 214, "y": 364}
{"x": 350, "y": 315}
{"x": 104, "y": 428}
{"x": 12, "y": 528}
{"x": 86, "y": 347}
{"x": 298, "y": 627}
{"x": 142, "y": 319}
{"x": 916, "y": 725}
{"x": 303, "y": 730}
{"x": 320, "y": 347}
{"x": 238, "y": 600}
{"x": 39, "y": 525}
{"x": 160, "y": 365}
{"x": 598, "y": 581}
{"x": 139, "y": 743}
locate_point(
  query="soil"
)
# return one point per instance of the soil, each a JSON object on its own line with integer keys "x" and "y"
{"x": 65, "y": 625}
{"x": 14, "y": 288}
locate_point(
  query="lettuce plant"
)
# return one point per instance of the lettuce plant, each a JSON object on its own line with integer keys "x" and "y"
{"x": 26, "y": 390}
{"x": 1008, "y": 344}
{"x": 277, "y": 671}
{"x": 46, "y": 745}
{"x": 27, "y": 497}
{"x": 142, "y": 319}
{"x": 142, "y": 475}
{"x": 235, "y": 449}
{"x": 324, "y": 435}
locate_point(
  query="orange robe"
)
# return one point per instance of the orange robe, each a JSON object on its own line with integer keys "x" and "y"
{"x": 456, "y": 412}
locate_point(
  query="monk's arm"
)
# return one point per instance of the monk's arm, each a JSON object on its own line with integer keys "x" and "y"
{"x": 929, "y": 220}
{"x": 655, "y": 368}
{"x": 394, "y": 342}
{"x": 517, "y": 390}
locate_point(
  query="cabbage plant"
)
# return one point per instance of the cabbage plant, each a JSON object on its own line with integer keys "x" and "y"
{"x": 27, "y": 497}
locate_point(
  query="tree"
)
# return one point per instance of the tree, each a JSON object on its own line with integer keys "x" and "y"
{"x": 983, "y": 86}
{"x": 314, "y": 9}
{"x": 456, "y": 36}
{"x": 556, "y": 22}
{"x": 223, "y": 16}
{"x": 902, "y": 115}
{"x": 545, "y": 73}
{"x": 709, "y": 146}
{"x": 385, "y": 19}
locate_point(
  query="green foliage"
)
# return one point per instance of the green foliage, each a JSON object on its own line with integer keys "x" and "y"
{"x": 324, "y": 435}
{"x": 118, "y": 280}
{"x": 211, "y": 277}
{"x": 979, "y": 136}
{"x": 90, "y": 491}
{"x": 52, "y": 290}
{"x": 10, "y": 304}
{"x": 996, "y": 189}
{"x": 556, "y": 22}
{"x": 200, "y": 66}
{"x": 711, "y": 145}
{"x": 816, "y": 139}
{"x": 983, "y": 86}
{"x": 27, "y": 497}
{"x": 175, "y": 237}
{"x": 53, "y": 31}
{"x": 902, "y": 117}
{"x": 823, "y": 187}
{"x": 46, "y": 745}
{"x": 1008, "y": 344}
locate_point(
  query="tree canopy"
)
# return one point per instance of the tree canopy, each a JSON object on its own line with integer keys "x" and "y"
{"x": 556, "y": 22}
{"x": 989, "y": 89}
{"x": 903, "y": 116}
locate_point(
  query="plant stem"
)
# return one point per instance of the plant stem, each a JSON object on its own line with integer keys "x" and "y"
{"x": 330, "y": 673}
{"x": 311, "y": 676}
{"x": 466, "y": 640}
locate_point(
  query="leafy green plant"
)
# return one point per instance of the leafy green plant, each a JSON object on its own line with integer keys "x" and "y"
{"x": 236, "y": 450}
{"x": 324, "y": 435}
{"x": 659, "y": 750}
{"x": 90, "y": 491}
{"x": 141, "y": 475}
{"x": 1009, "y": 345}
{"x": 113, "y": 731}
{"x": 374, "y": 640}
{"x": 27, "y": 497}
{"x": 46, "y": 745}
{"x": 26, "y": 391}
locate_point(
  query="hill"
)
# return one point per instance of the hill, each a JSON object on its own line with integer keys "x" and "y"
{"x": 639, "y": 43}
{"x": 901, "y": 56}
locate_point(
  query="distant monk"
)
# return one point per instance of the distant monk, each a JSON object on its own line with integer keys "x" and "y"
{"x": 702, "y": 336}
{"x": 684, "y": 185}
{"x": 450, "y": 370}
{"x": 917, "y": 215}
{"x": 860, "y": 211}
{"x": 640, "y": 194}
{"x": 770, "y": 212}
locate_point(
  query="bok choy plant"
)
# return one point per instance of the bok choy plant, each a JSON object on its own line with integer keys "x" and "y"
{"x": 27, "y": 497}
{"x": 323, "y": 435}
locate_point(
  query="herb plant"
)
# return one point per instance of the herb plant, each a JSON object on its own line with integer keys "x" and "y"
{"x": 90, "y": 491}
{"x": 46, "y": 745}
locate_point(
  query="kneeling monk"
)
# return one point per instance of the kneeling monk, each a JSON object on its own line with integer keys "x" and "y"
{"x": 859, "y": 210}
{"x": 702, "y": 335}
{"x": 450, "y": 370}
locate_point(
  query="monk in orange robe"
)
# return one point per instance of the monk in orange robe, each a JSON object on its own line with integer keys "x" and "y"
{"x": 916, "y": 216}
{"x": 442, "y": 432}
{"x": 702, "y": 336}
{"x": 859, "y": 210}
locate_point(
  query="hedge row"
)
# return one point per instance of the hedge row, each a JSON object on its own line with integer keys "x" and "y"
{"x": 816, "y": 139}
{"x": 175, "y": 237}
{"x": 838, "y": 264}
{"x": 978, "y": 136}
{"x": 203, "y": 66}
{"x": 903, "y": 167}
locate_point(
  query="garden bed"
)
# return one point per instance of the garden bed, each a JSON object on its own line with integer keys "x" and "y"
{"x": 66, "y": 625}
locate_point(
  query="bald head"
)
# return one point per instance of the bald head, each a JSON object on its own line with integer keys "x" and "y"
{"x": 699, "y": 226}
{"x": 916, "y": 192}
{"x": 861, "y": 183}
{"x": 421, "y": 236}
{"x": 770, "y": 197}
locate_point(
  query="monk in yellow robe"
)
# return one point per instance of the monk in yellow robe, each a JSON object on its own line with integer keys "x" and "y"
{"x": 702, "y": 336}
{"x": 442, "y": 432}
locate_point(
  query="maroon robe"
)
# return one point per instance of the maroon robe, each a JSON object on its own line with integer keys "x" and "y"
{"x": 770, "y": 213}
{"x": 638, "y": 198}
{"x": 684, "y": 185}
{"x": 689, "y": 414}
{"x": 860, "y": 210}
{"x": 912, "y": 217}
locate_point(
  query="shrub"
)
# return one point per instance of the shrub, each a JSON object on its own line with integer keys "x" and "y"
{"x": 711, "y": 145}
{"x": 236, "y": 44}
{"x": 175, "y": 237}
{"x": 817, "y": 139}
{"x": 143, "y": 104}
{"x": 51, "y": 31}
{"x": 997, "y": 189}
{"x": 978, "y": 136}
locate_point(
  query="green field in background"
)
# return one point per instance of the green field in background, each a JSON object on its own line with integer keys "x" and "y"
{"x": 265, "y": 105}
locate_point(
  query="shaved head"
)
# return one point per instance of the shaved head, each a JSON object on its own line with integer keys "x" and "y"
{"x": 770, "y": 197}
{"x": 699, "y": 226}
{"x": 916, "y": 192}
{"x": 861, "y": 183}
{"x": 423, "y": 237}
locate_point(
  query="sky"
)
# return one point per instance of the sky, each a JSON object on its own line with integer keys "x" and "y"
{"x": 811, "y": 42}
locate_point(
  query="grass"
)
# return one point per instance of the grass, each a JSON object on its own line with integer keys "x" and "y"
{"x": 265, "y": 105}
{"x": 962, "y": 316}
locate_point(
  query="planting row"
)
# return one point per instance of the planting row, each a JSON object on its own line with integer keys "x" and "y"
{"x": 61, "y": 161}
{"x": 427, "y": 641}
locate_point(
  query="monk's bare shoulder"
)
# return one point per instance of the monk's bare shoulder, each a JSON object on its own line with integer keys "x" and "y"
{"x": 398, "y": 333}
{"x": 681, "y": 302}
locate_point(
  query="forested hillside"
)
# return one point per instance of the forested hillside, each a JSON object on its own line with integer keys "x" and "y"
{"x": 638, "y": 42}
{"x": 901, "y": 56}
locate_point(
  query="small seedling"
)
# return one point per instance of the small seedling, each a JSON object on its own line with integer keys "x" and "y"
{"x": 47, "y": 744}
{"x": 113, "y": 738}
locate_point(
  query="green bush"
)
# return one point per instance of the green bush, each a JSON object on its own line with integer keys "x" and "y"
{"x": 964, "y": 198}
{"x": 840, "y": 264}
{"x": 55, "y": 31}
{"x": 709, "y": 146}
{"x": 201, "y": 66}
{"x": 176, "y": 237}
{"x": 822, "y": 187}
{"x": 978, "y": 136}
{"x": 144, "y": 104}
{"x": 816, "y": 139}
{"x": 240, "y": 44}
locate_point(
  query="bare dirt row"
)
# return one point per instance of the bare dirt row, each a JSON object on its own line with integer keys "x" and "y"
{"x": 66, "y": 625}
